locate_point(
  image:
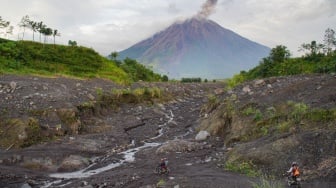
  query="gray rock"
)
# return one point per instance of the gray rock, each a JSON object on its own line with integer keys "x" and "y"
{"x": 73, "y": 162}
{"x": 246, "y": 89}
{"x": 259, "y": 83}
{"x": 91, "y": 97}
{"x": 202, "y": 135}
{"x": 13, "y": 86}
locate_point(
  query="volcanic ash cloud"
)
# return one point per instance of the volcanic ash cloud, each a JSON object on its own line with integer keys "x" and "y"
{"x": 207, "y": 9}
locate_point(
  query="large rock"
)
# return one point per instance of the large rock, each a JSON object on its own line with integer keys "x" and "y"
{"x": 178, "y": 146}
{"x": 202, "y": 135}
{"x": 72, "y": 163}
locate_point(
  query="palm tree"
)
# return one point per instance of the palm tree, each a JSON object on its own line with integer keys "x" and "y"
{"x": 56, "y": 33}
{"x": 34, "y": 26}
{"x": 4, "y": 24}
{"x": 47, "y": 32}
{"x": 9, "y": 31}
{"x": 24, "y": 23}
{"x": 40, "y": 28}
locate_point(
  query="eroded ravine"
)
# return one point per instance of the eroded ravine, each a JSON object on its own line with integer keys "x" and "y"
{"x": 128, "y": 156}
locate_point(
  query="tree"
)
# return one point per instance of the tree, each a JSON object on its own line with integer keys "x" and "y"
{"x": 34, "y": 27}
{"x": 9, "y": 31}
{"x": 279, "y": 54}
{"x": 40, "y": 28}
{"x": 24, "y": 23}
{"x": 165, "y": 78}
{"x": 56, "y": 33}
{"x": 329, "y": 41}
{"x": 72, "y": 43}
{"x": 114, "y": 55}
{"x": 47, "y": 32}
{"x": 3, "y": 25}
{"x": 313, "y": 48}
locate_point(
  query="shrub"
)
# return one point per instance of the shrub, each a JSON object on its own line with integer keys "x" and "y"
{"x": 243, "y": 167}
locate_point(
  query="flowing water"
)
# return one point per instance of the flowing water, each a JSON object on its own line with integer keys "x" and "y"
{"x": 128, "y": 156}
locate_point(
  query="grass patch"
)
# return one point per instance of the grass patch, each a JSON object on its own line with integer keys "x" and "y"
{"x": 17, "y": 133}
{"x": 282, "y": 118}
{"x": 161, "y": 183}
{"x": 138, "y": 95}
{"x": 243, "y": 167}
{"x": 264, "y": 183}
{"x": 213, "y": 103}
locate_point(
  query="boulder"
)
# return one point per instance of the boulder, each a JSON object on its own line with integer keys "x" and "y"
{"x": 259, "y": 83}
{"x": 247, "y": 89}
{"x": 13, "y": 86}
{"x": 202, "y": 135}
{"x": 73, "y": 163}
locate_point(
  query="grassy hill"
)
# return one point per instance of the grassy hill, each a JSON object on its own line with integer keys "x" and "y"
{"x": 27, "y": 57}
{"x": 279, "y": 63}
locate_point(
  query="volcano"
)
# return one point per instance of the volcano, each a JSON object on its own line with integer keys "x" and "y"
{"x": 197, "y": 47}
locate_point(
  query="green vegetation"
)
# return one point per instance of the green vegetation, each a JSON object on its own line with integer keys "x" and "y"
{"x": 138, "y": 95}
{"x": 264, "y": 183}
{"x": 243, "y": 167}
{"x": 212, "y": 104}
{"x": 27, "y": 57}
{"x": 161, "y": 183}
{"x": 285, "y": 117}
{"x": 16, "y": 133}
{"x": 188, "y": 80}
{"x": 319, "y": 58}
{"x": 137, "y": 71}
{"x": 30, "y": 57}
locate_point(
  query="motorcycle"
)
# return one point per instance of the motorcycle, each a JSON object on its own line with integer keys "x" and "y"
{"x": 293, "y": 182}
{"x": 159, "y": 170}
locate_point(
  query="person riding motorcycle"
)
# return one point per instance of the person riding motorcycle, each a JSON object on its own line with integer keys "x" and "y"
{"x": 164, "y": 164}
{"x": 294, "y": 171}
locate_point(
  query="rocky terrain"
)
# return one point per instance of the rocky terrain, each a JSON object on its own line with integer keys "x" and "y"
{"x": 92, "y": 143}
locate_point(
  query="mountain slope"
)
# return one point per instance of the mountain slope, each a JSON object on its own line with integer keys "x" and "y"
{"x": 197, "y": 48}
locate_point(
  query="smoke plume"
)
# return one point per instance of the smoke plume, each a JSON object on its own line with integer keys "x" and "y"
{"x": 207, "y": 8}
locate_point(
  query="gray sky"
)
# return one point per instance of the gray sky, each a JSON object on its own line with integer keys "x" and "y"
{"x": 113, "y": 25}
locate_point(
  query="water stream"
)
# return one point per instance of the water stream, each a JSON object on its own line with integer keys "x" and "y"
{"x": 128, "y": 156}
{"x": 84, "y": 173}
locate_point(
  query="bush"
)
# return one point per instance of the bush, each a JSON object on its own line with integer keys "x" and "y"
{"x": 243, "y": 167}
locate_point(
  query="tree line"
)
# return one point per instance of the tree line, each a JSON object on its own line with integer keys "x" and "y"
{"x": 35, "y": 26}
{"x": 318, "y": 58}
{"x": 327, "y": 47}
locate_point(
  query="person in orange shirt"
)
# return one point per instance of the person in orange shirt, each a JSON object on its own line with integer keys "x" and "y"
{"x": 294, "y": 171}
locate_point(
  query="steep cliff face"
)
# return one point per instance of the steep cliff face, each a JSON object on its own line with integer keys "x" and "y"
{"x": 197, "y": 48}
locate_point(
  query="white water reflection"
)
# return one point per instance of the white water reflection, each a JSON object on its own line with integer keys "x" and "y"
{"x": 84, "y": 173}
{"x": 129, "y": 156}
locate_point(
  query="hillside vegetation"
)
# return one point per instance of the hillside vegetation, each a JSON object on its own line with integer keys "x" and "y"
{"x": 279, "y": 63}
{"x": 27, "y": 57}
{"x": 282, "y": 110}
